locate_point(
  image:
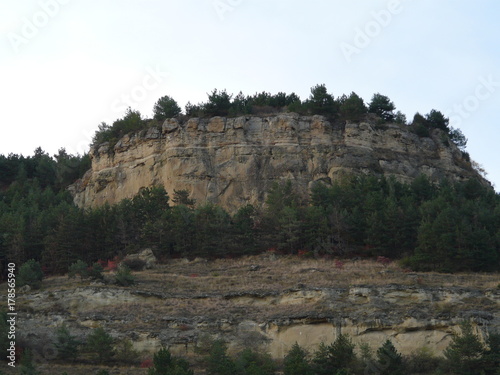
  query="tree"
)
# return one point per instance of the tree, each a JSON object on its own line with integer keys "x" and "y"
{"x": 353, "y": 107}
{"x": 219, "y": 103}
{"x": 320, "y": 102}
{"x": 382, "y": 106}
{"x": 30, "y": 273}
{"x": 182, "y": 197}
{"x": 26, "y": 365}
{"x": 457, "y": 137}
{"x": 465, "y": 352}
{"x": 166, "y": 364}
{"x": 166, "y": 107}
{"x": 250, "y": 362}
{"x": 436, "y": 119}
{"x": 296, "y": 363}
{"x": 218, "y": 362}
{"x": 100, "y": 344}
{"x": 390, "y": 362}
{"x": 66, "y": 345}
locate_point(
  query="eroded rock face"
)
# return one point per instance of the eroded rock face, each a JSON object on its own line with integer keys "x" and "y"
{"x": 234, "y": 161}
{"x": 411, "y": 317}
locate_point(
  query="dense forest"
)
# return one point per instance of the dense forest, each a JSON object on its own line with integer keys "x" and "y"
{"x": 447, "y": 227}
{"x": 451, "y": 226}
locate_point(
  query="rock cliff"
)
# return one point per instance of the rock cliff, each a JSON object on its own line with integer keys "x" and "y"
{"x": 264, "y": 303}
{"x": 233, "y": 161}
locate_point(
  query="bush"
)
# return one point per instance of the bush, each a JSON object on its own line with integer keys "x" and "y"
{"x": 95, "y": 272}
{"x": 124, "y": 277}
{"x": 30, "y": 273}
{"x": 79, "y": 268}
{"x": 125, "y": 352}
{"x": 465, "y": 352}
{"x": 100, "y": 345}
{"x": 134, "y": 264}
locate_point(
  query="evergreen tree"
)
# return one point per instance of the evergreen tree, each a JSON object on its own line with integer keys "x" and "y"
{"x": 382, "y": 106}
{"x": 166, "y": 364}
{"x": 465, "y": 352}
{"x": 66, "y": 344}
{"x": 218, "y": 362}
{"x": 296, "y": 362}
{"x": 390, "y": 362}
{"x": 166, "y": 107}
{"x": 100, "y": 345}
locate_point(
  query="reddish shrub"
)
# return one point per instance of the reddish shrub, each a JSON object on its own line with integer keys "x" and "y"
{"x": 383, "y": 260}
{"x": 147, "y": 363}
{"x": 339, "y": 264}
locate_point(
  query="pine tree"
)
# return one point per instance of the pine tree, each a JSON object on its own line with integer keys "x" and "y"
{"x": 296, "y": 363}
{"x": 390, "y": 362}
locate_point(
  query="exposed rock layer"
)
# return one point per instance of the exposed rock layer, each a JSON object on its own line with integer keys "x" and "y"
{"x": 233, "y": 161}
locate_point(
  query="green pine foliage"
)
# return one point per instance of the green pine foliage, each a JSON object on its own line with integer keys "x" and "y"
{"x": 30, "y": 273}
{"x": 100, "y": 345}
{"x": 166, "y": 364}
{"x": 218, "y": 362}
{"x": 390, "y": 362}
{"x": 67, "y": 345}
{"x": 250, "y": 362}
{"x": 296, "y": 362}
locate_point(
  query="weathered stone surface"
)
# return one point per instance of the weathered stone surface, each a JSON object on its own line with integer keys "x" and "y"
{"x": 234, "y": 161}
{"x": 146, "y": 256}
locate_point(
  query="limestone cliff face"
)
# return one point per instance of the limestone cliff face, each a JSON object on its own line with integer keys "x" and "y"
{"x": 233, "y": 161}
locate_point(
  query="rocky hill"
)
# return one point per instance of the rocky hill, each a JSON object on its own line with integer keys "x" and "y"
{"x": 233, "y": 161}
{"x": 265, "y": 302}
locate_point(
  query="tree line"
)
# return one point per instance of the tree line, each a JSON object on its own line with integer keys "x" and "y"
{"x": 450, "y": 227}
{"x": 320, "y": 102}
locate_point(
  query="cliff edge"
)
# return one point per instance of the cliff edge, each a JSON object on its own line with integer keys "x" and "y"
{"x": 234, "y": 161}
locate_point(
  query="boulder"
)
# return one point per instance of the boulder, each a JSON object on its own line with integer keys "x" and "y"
{"x": 146, "y": 257}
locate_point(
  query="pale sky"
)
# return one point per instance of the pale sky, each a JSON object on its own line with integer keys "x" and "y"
{"x": 68, "y": 65}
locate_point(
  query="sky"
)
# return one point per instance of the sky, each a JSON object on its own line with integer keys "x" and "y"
{"x": 68, "y": 65}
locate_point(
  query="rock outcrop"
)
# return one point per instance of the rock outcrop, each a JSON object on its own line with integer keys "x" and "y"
{"x": 234, "y": 161}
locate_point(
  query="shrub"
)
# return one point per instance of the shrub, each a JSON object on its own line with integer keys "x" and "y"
{"x": 30, "y": 273}
{"x": 134, "y": 264}
{"x": 125, "y": 352}
{"x": 95, "y": 272}
{"x": 79, "y": 268}
{"x": 100, "y": 345}
{"x": 26, "y": 365}
{"x": 124, "y": 277}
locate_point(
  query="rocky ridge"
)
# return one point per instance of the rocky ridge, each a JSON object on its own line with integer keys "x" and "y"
{"x": 233, "y": 161}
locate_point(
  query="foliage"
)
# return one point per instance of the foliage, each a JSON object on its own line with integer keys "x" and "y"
{"x": 166, "y": 364}
{"x": 382, "y": 106}
{"x": 166, "y": 107}
{"x": 100, "y": 345}
{"x": 218, "y": 362}
{"x": 352, "y": 107}
{"x": 320, "y": 101}
{"x": 30, "y": 273}
{"x": 296, "y": 362}
{"x": 66, "y": 344}
{"x": 124, "y": 276}
{"x": 390, "y": 362}
{"x": 250, "y": 362}
{"x": 79, "y": 268}
{"x": 334, "y": 358}
{"x": 26, "y": 365}
{"x": 125, "y": 352}
{"x": 465, "y": 352}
